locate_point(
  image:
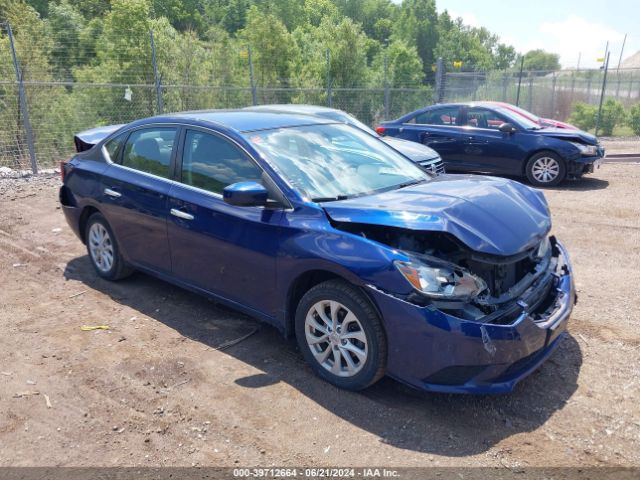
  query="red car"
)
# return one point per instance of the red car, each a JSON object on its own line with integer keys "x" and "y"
{"x": 543, "y": 122}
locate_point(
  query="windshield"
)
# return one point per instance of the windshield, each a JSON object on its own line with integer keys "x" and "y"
{"x": 335, "y": 161}
{"x": 526, "y": 113}
{"x": 346, "y": 118}
{"x": 518, "y": 119}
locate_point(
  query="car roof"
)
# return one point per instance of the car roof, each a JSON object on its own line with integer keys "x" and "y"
{"x": 244, "y": 120}
{"x": 292, "y": 108}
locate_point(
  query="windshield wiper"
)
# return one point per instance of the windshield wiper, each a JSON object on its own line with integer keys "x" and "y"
{"x": 411, "y": 182}
{"x": 330, "y": 199}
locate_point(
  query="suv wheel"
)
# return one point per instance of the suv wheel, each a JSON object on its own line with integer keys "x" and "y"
{"x": 546, "y": 169}
{"x": 103, "y": 249}
{"x": 341, "y": 336}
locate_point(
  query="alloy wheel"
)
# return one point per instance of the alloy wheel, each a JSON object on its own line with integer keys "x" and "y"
{"x": 336, "y": 338}
{"x": 101, "y": 247}
{"x": 545, "y": 169}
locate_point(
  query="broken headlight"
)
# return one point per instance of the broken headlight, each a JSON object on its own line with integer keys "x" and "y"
{"x": 543, "y": 249}
{"x": 586, "y": 150}
{"x": 440, "y": 280}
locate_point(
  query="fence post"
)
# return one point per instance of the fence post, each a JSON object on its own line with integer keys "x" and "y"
{"x": 505, "y": 81}
{"x": 573, "y": 85}
{"x": 156, "y": 77}
{"x": 254, "y": 93}
{"x": 604, "y": 87}
{"x": 630, "y": 84}
{"x": 440, "y": 79}
{"x": 530, "y": 93}
{"x": 520, "y": 80}
{"x": 22, "y": 98}
{"x": 589, "y": 80}
{"x": 552, "y": 112}
{"x": 329, "y": 89}
{"x": 386, "y": 87}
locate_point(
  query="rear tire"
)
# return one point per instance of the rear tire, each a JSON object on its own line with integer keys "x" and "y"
{"x": 341, "y": 336}
{"x": 545, "y": 169}
{"x": 103, "y": 249}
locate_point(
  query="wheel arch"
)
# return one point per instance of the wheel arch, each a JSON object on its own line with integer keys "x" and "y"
{"x": 306, "y": 281}
{"x": 536, "y": 152}
{"x": 84, "y": 218}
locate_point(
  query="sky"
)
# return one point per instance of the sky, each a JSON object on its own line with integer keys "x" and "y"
{"x": 566, "y": 27}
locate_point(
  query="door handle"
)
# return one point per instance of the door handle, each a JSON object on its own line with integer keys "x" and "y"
{"x": 180, "y": 214}
{"x": 112, "y": 193}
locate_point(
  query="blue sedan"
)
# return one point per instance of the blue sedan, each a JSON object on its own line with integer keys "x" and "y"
{"x": 488, "y": 138}
{"x": 449, "y": 283}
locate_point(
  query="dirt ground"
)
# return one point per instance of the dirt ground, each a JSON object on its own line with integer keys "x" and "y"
{"x": 155, "y": 390}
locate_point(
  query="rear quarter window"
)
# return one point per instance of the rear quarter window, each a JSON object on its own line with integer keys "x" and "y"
{"x": 114, "y": 147}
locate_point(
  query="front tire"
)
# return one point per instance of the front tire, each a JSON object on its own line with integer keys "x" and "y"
{"x": 103, "y": 249}
{"x": 545, "y": 169}
{"x": 341, "y": 336}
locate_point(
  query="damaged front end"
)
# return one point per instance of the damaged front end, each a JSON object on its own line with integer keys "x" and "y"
{"x": 486, "y": 320}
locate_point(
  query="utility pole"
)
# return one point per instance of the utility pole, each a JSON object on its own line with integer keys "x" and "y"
{"x": 604, "y": 87}
{"x": 520, "y": 80}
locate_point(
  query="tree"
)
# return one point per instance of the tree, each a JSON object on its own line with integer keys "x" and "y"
{"x": 272, "y": 47}
{"x": 65, "y": 26}
{"x": 539, "y": 60}
{"x": 417, "y": 24}
{"x": 182, "y": 14}
{"x": 404, "y": 68}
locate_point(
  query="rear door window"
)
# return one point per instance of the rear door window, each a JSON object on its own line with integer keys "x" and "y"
{"x": 149, "y": 150}
{"x": 439, "y": 116}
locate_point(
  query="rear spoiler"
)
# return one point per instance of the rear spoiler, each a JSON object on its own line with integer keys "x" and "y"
{"x": 87, "y": 139}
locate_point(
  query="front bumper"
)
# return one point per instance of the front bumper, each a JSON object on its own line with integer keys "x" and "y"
{"x": 432, "y": 350}
{"x": 583, "y": 165}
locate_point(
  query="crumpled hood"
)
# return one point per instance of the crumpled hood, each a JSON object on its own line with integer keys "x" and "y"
{"x": 489, "y": 215}
{"x": 569, "y": 135}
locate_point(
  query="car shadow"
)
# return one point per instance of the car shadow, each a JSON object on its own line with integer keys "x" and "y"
{"x": 583, "y": 184}
{"x": 440, "y": 424}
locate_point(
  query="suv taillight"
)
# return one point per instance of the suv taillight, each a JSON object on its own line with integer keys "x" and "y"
{"x": 380, "y": 130}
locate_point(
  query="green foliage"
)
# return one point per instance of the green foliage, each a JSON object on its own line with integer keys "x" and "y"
{"x": 612, "y": 114}
{"x": 634, "y": 119}
{"x": 272, "y": 47}
{"x": 539, "y": 60}
{"x": 101, "y": 50}
{"x": 584, "y": 116}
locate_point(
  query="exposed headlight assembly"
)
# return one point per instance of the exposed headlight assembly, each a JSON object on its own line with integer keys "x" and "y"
{"x": 543, "y": 249}
{"x": 440, "y": 280}
{"x": 586, "y": 150}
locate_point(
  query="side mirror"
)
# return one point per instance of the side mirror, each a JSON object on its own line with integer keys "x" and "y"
{"x": 245, "y": 194}
{"x": 507, "y": 128}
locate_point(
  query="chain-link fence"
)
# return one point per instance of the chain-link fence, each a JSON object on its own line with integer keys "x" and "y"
{"x": 549, "y": 94}
{"x": 45, "y": 101}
